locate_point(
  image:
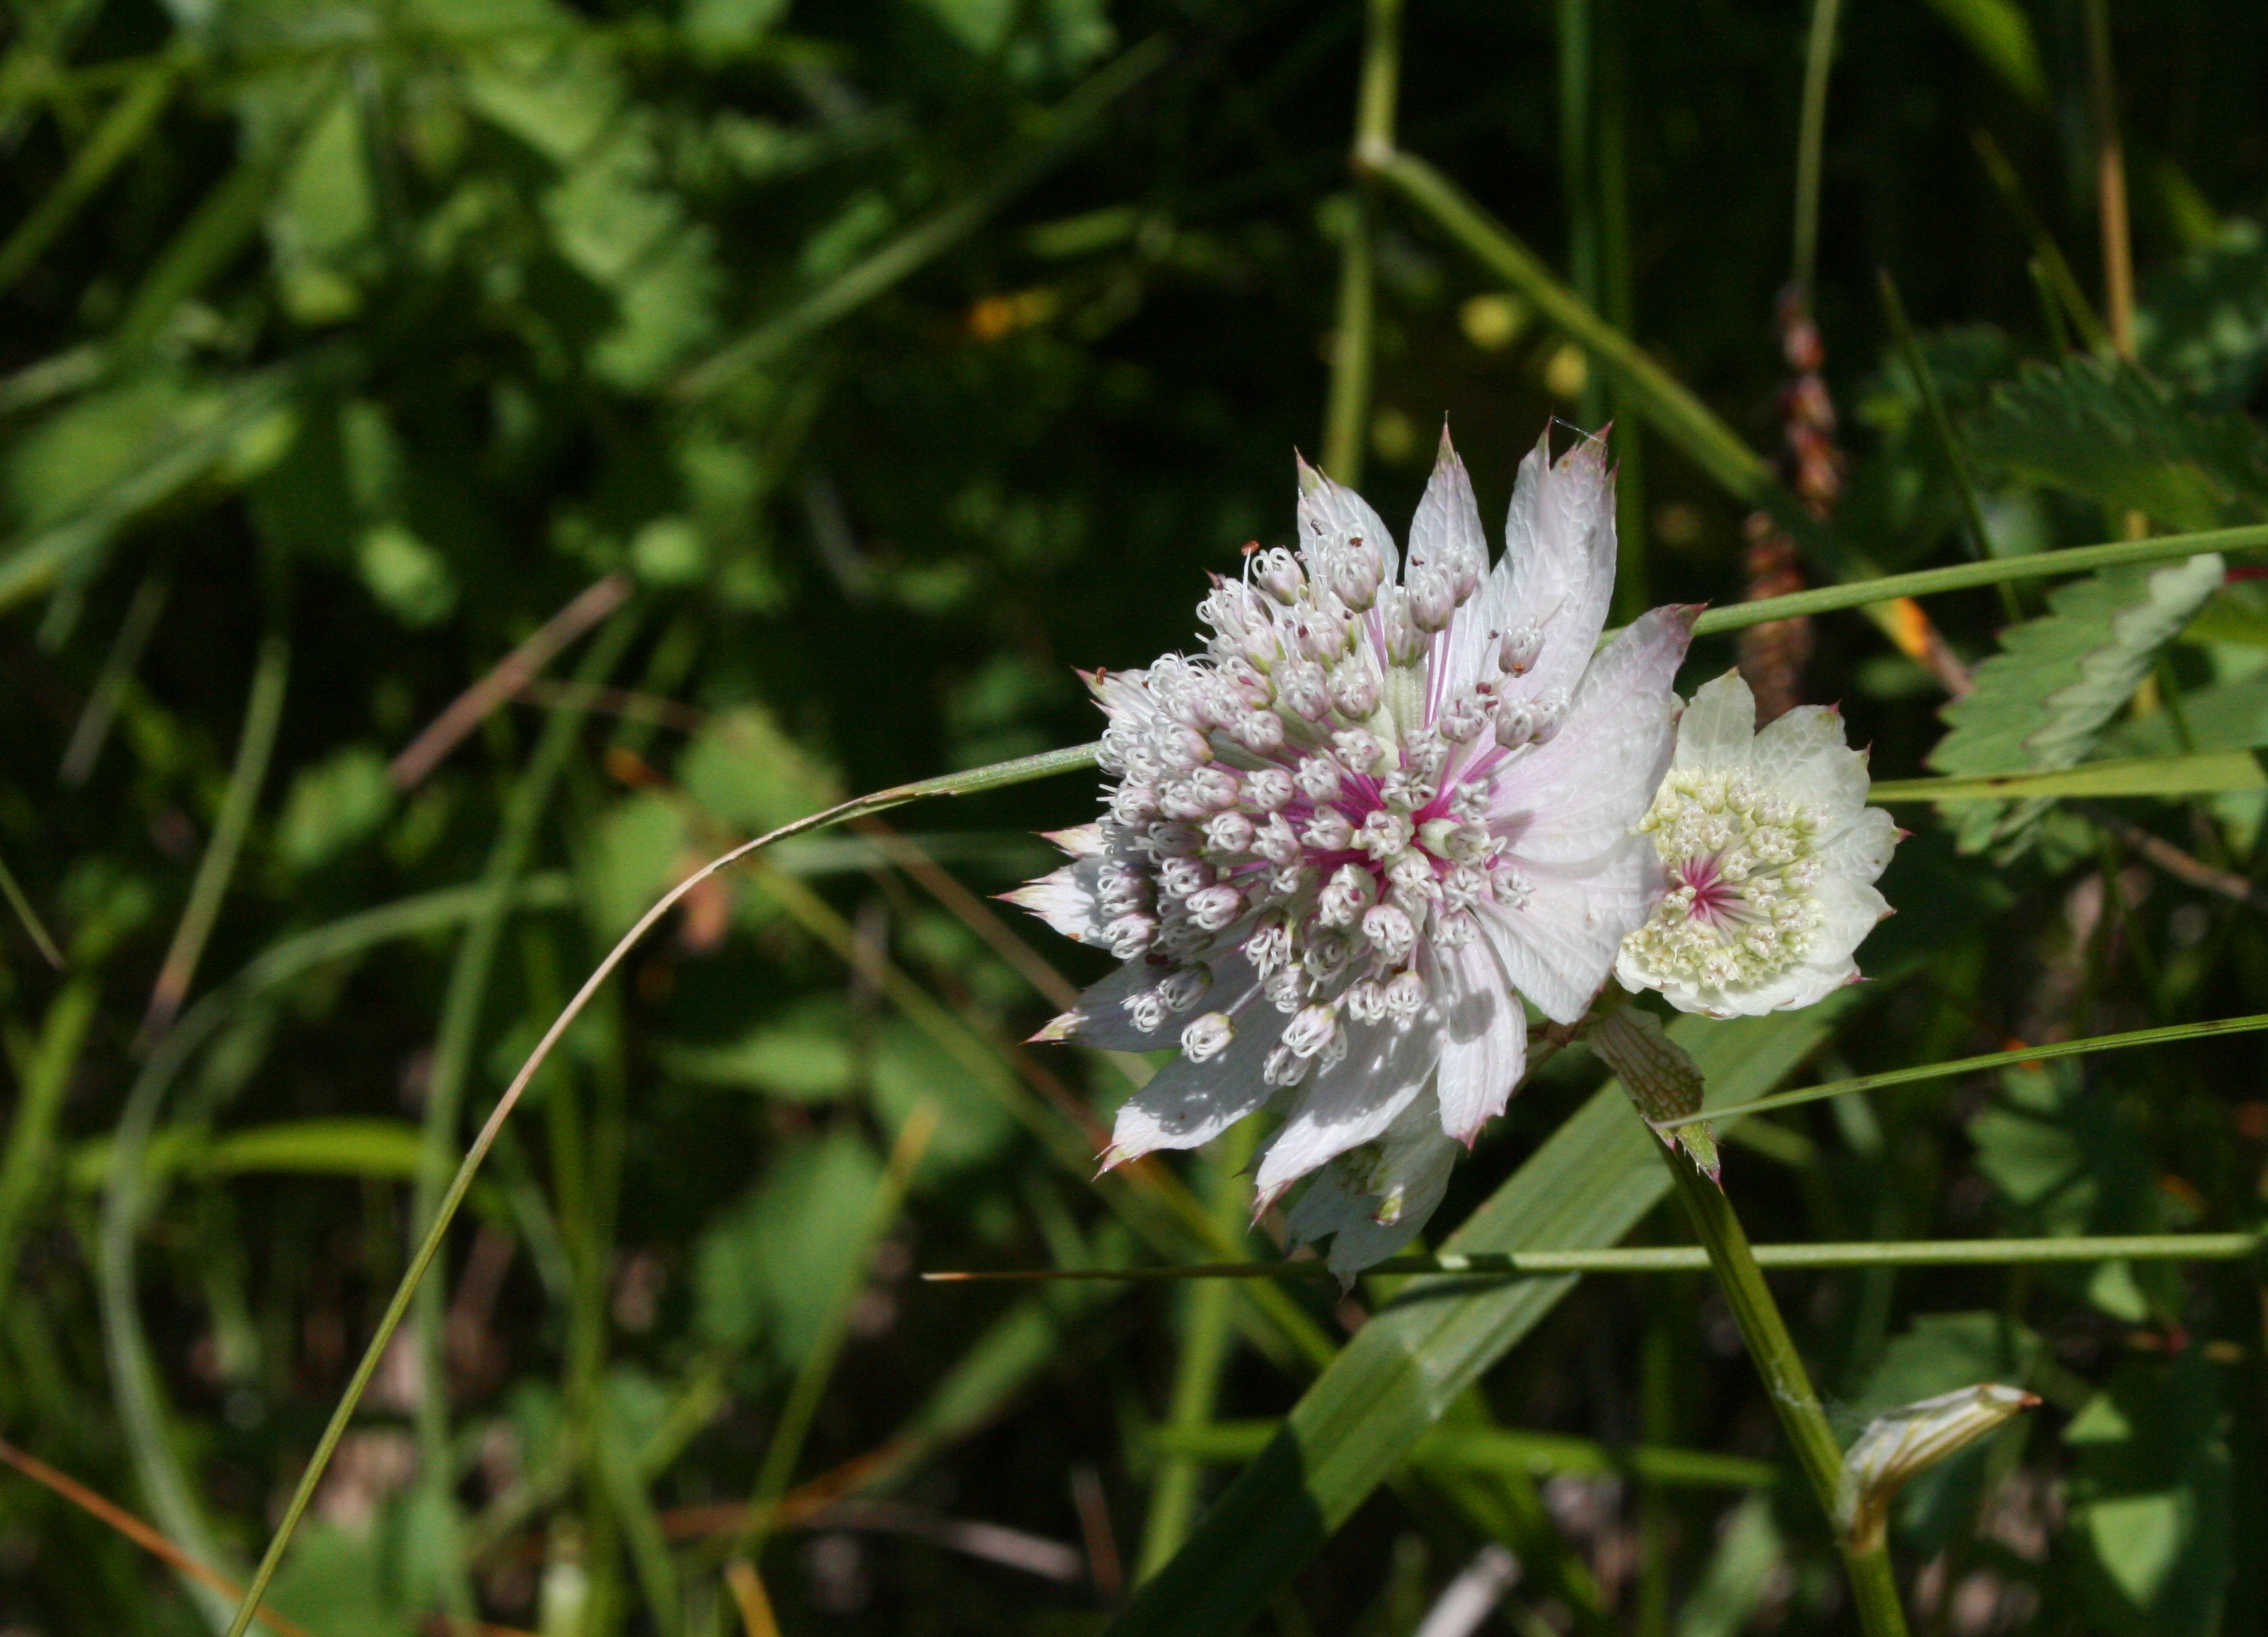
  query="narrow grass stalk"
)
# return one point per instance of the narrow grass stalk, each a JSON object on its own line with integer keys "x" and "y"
{"x": 131, "y": 119}
{"x": 1347, "y": 413}
{"x": 28, "y": 917}
{"x": 1970, "y": 576}
{"x": 1204, "y": 1352}
{"x": 2017, "y": 1058}
{"x": 2110, "y": 183}
{"x": 1811, "y": 143}
{"x": 27, "y": 1167}
{"x": 93, "y": 729}
{"x": 2200, "y": 773}
{"x": 785, "y": 1448}
{"x": 1741, "y": 1280}
{"x": 1003, "y": 773}
{"x": 1618, "y": 290}
{"x": 1576, "y": 48}
{"x": 1688, "y": 1258}
{"x": 2053, "y": 271}
{"x": 262, "y": 713}
{"x": 132, "y": 1192}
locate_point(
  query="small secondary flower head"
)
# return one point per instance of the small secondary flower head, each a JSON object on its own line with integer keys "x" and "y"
{"x": 1390, "y": 798}
{"x": 1771, "y": 853}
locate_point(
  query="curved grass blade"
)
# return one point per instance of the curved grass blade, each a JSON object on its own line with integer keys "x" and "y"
{"x": 999, "y": 774}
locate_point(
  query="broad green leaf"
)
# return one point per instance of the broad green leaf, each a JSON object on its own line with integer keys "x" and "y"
{"x": 777, "y": 1263}
{"x": 2150, "y": 1497}
{"x": 340, "y": 1583}
{"x": 2067, "y": 1158}
{"x": 322, "y": 216}
{"x": 1750, "y": 1557}
{"x": 2042, "y": 702}
{"x": 631, "y": 856}
{"x": 744, "y": 770}
{"x": 334, "y": 805}
{"x": 2108, "y": 433}
{"x": 803, "y": 1056}
{"x": 410, "y": 578}
{"x": 1596, "y": 1176}
{"x": 909, "y": 1069}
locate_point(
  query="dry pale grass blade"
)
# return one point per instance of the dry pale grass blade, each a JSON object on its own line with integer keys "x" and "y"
{"x": 511, "y": 674}
{"x": 139, "y": 1532}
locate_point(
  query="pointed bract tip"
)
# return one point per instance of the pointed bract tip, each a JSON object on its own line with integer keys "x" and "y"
{"x": 1310, "y": 479}
{"x": 1447, "y": 453}
{"x": 1063, "y": 1026}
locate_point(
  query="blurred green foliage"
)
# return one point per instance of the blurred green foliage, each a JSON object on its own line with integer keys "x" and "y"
{"x": 898, "y": 357}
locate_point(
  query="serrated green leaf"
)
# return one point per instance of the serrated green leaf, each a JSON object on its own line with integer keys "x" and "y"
{"x": 2108, "y": 433}
{"x": 2043, "y": 701}
{"x": 1599, "y": 1174}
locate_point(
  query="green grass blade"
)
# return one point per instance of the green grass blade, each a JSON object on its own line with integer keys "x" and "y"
{"x": 1989, "y": 1060}
{"x": 1971, "y": 576}
{"x": 2198, "y": 773}
{"x": 1589, "y": 1184}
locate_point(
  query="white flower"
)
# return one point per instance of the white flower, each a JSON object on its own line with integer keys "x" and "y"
{"x": 1434, "y": 781}
{"x": 1771, "y": 853}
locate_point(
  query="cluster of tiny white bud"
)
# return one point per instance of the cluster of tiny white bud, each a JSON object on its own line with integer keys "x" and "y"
{"x": 1742, "y": 861}
{"x": 1289, "y": 797}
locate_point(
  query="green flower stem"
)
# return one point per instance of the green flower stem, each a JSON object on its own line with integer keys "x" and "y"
{"x": 1742, "y": 1282}
{"x": 1988, "y": 1060}
{"x": 1691, "y": 1259}
{"x": 999, "y": 774}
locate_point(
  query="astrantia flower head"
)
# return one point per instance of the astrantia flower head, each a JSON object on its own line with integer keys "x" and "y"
{"x": 1391, "y": 798}
{"x": 1771, "y": 853}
